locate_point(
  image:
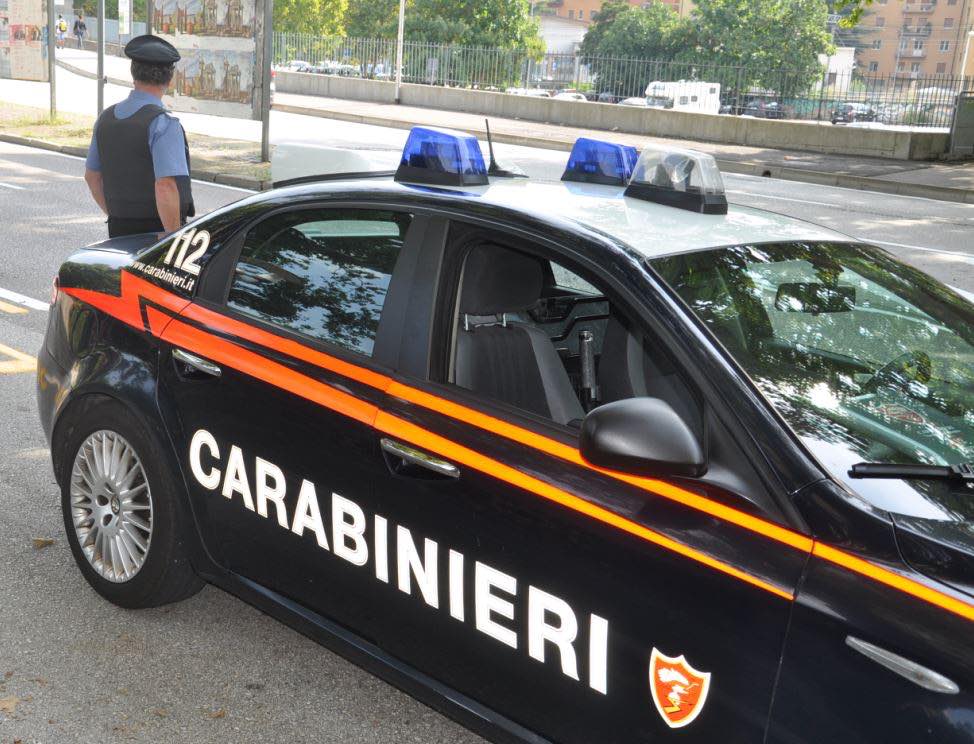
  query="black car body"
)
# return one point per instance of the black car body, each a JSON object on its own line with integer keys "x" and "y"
{"x": 850, "y": 112}
{"x": 462, "y": 544}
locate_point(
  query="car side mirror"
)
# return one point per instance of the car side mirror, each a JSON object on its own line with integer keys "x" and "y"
{"x": 641, "y": 436}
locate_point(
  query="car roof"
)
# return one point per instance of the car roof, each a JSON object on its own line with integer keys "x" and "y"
{"x": 648, "y": 228}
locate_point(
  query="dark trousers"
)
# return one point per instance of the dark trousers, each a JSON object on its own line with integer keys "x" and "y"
{"x": 119, "y": 226}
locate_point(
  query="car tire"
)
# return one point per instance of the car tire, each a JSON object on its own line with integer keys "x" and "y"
{"x": 112, "y": 472}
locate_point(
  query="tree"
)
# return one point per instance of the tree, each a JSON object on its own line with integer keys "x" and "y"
{"x": 775, "y": 42}
{"x": 622, "y": 32}
{"x": 501, "y": 24}
{"x": 853, "y": 11}
{"x": 372, "y": 19}
{"x": 321, "y": 17}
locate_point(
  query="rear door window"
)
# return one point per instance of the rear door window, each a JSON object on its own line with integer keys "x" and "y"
{"x": 321, "y": 273}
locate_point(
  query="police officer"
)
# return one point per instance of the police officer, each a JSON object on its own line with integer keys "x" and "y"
{"x": 138, "y": 162}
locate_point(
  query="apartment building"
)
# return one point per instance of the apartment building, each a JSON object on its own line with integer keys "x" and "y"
{"x": 914, "y": 39}
{"x": 586, "y": 10}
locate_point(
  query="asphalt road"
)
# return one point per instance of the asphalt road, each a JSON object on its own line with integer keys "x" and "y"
{"x": 74, "y": 668}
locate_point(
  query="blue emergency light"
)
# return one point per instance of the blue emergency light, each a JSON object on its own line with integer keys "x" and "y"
{"x": 593, "y": 161}
{"x": 442, "y": 157}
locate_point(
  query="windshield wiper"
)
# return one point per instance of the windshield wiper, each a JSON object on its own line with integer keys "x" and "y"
{"x": 963, "y": 473}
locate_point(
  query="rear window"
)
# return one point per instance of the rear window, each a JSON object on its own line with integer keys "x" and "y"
{"x": 320, "y": 273}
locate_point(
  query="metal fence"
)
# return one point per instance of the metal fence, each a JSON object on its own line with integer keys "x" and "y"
{"x": 903, "y": 98}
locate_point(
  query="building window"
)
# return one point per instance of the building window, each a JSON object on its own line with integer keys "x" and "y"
{"x": 951, "y": 2}
{"x": 915, "y": 67}
{"x": 877, "y": 43}
{"x": 918, "y": 44}
{"x": 880, "y": 21}
{"x": 941, "y": 68}
{"x": 948, "y": 22}
{"x": 944, "y": 46}
{"x": 571, "y": 14}
{"x": 581, "y": 14}
{"x": 874, "y": 66}
{"x": 903, "y": 44}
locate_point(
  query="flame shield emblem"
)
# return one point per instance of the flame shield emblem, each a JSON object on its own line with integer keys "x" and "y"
{"x": 678, "y": 690}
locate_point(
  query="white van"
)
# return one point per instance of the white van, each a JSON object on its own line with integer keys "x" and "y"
{"x": 684, "y": 95}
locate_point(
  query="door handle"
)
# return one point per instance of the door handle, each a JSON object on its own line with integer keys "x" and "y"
{"x": 419, "y": 458}
{"x": 926, "y": 678}
{"x": 197, "y": 363}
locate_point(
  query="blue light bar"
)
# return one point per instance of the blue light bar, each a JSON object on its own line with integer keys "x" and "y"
{"x": 593, "y": 161}
{"x": 442, "y": 157}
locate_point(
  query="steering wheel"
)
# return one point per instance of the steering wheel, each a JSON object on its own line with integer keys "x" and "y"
{"x": 913, "y": 366}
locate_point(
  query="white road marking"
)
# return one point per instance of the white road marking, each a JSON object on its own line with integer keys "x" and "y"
{"x": 11, "y": 186}
{"x": 20, "y": 299}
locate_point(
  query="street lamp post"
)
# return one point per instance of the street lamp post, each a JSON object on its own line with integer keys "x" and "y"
{"x": 967, "y": 51}
{"x": 101, "y": 56}
{"x": 399, "y": 38}
{"x": 51, "y": 50}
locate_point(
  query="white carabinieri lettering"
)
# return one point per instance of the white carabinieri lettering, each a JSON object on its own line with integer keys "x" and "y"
{"x": 551, "y": 632}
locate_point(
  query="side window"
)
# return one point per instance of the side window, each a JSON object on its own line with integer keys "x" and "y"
{"x": 534, "y": 334}
{"x": 322, "y": 273}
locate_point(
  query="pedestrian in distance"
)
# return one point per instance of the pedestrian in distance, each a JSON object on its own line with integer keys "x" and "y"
{"x": 60, "y": 28}
{"x": 79, "y": 30}
{"x": 138, "y": 162}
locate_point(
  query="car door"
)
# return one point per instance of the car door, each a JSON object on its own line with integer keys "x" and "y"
{"x": 272, "y": 378}
{"x": 582, "y": 604}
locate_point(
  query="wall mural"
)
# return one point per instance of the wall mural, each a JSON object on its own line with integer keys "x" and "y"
{"x": 219, "y": 72}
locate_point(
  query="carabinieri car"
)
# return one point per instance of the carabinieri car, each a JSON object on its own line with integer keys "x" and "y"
{"x": 597, "y": 461}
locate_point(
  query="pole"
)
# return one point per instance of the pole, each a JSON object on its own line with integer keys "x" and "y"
{"x": 265, "y": 99}
{"x": 399, "y": 37}
{"x": 51, "y": 50}
{"x": 101, "y": 56}
{"x": 148, "y": 16}
{"x": 967, "y": 51}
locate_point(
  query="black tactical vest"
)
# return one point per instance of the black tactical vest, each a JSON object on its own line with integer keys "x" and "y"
{"x": 127, "y": 173}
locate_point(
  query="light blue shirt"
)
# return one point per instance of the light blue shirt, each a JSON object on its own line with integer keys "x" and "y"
{"x": 166, "y": 140}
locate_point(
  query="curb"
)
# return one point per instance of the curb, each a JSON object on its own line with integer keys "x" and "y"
{"x": 91, "y": 75}
{"x": 240, "y": 182}
{"x": 744, "y": 167}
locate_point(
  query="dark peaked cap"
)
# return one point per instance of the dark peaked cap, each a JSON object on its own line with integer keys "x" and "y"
{"x": 151, "y": 50}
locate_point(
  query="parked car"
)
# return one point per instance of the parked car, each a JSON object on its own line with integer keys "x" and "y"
{"x": 295, "y": 65}
{"x": 850, "y": 112}
{"x": 570, "y": 96}
{"x": 762, "y": 109}
{"x": 530, "y": 92}
{"x": 635, "y": 101}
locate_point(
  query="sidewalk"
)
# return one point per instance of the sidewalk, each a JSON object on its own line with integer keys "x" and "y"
{"x": 944, "y": 181}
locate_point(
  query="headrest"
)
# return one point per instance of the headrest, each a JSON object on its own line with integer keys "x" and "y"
{"x": 498, "y": 280}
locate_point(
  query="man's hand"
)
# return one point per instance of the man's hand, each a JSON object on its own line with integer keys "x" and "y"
{"x": 167, "y": 203}
{"x": 97, "y": 188}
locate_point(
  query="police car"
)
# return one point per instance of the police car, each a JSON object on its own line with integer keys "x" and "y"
{"x": 599, "y": 460}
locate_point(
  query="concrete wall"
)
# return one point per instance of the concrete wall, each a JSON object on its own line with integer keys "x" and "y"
{"x": 734, "y": 130}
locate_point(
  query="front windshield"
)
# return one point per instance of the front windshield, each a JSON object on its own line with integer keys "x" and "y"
{"x": 866, "y": 358}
